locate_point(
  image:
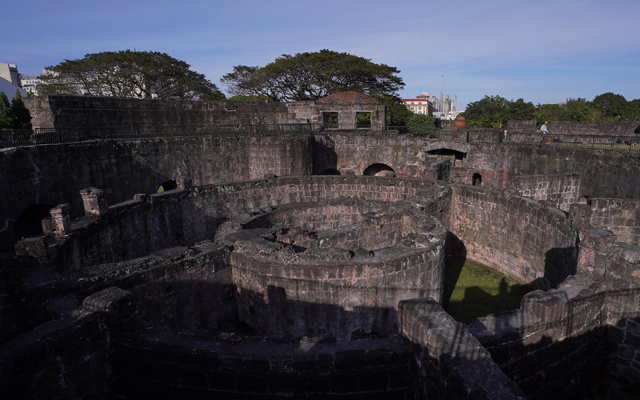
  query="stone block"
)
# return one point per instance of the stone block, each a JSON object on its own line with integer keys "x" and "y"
{"x": 111, "y": 300}
{"x": 94, "y": 201}
{"x": 33, "y": 247}
{"x": 61, "y": 219}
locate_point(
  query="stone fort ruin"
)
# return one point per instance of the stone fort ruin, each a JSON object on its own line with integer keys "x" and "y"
{"x": 290, "y": 259}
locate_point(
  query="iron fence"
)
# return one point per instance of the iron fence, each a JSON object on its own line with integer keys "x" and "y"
{"x": 44, "y": 136}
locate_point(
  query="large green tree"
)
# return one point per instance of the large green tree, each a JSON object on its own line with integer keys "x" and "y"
{"x": 311, "y": 76}
{"x": 128, "y": 73}
{"x": 489, "y": 112}
{"x": 612, "y": 106}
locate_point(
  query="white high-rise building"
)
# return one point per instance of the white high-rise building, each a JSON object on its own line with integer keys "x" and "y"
{"x": 10, "y": 73}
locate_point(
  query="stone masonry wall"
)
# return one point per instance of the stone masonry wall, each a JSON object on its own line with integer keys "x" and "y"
{"x": 162, "y": 365}
{"x": 560, "y": 190}
{"x": 603, "y": 173}
{"x": 614, "y": 128}
{"x": 181, "y": 217}
{"x": 609, "y": 128}
{"x": 397, "y": 255}
{"x": 619, "y": 216}
{"x": 66, "y": 358}
{"x": 516, "y": 236}
{"x": 552, "y": 347}
{"x": 447, "y": 361}
{"x": 55, "y": 174}
{"x": 61, "y": 111}
{"x": 408, "y": 156}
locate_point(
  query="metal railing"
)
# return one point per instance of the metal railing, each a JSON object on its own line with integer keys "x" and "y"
{"x": 44, "y": 136}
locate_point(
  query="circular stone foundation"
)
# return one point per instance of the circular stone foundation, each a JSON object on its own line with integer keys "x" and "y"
{"x": 334, "y": 268}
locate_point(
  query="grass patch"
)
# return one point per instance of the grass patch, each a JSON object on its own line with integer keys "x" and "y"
{"x": 473, "y": 290}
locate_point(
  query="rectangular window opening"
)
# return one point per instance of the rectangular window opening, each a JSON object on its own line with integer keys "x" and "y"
{"x": 363, "y": 119}
{"x": 330, "y": 119}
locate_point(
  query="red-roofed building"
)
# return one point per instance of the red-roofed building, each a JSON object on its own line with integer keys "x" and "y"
{"x": 420, "y": 105}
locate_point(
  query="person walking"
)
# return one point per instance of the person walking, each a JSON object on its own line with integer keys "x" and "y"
{"x": 544, "y": 131}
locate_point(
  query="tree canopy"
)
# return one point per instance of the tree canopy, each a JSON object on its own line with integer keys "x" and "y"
{"x": 495, "y": 111}
{"x": 311, "y": 76}
{"x": 128, "y": 73}
{"x": 13, "y": 115}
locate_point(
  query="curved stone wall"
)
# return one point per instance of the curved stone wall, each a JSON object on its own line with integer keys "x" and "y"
{"x": 303, "y": 270}
{"x": 179, "y": 217}
{"x": 516, "y": 236}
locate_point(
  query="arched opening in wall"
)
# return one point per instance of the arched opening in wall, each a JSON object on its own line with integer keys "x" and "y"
{"x": 330, "y": 171}
{"x": 476, "y": 180}
{"x": 379, "y": 170}
{"x": 457, "y": 157}
{"x": 168, "y": 185}
{"x": 29, "y": 222}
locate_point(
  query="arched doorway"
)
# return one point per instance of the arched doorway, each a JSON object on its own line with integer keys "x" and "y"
{"x": 168, "y": 185}
{"x": 379, "y": 170}
{"x": 29, "y": 222}
{"x": 476, "y": 180}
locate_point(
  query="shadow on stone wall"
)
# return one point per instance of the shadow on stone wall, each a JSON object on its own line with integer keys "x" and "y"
{"x": 324, "y": 154}
{"x": 559, "y": 264}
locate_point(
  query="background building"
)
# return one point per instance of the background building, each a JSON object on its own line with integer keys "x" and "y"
{"x": 10, "y": 73}
{"x": 422, "y": 104}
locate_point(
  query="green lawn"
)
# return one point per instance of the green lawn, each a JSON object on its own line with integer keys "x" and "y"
{"x": 474, "y": 290}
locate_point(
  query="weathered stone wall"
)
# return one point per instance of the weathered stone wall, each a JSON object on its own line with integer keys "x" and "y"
{"x": 408, "y": 156}
{"x": 563, "y": 341}
{"x": 603, "y": 173}
{"x": 182, "y": 217}
{"x": 549, "y": 346}
{"x": 447, "y": 361}
{"x": 521, "y": 126}
{"x": 354, "y": 269}
{"x": 61, "y": 111}
{"x": 516, "y": 236}
{"x": 614, "y": 128}
{"x": 609, "y": 128}
{"x": 54, "y": 174}
{"x": 560, "y": 190}
{"x": 619, "y": 216}
{"x": 163, "y": 365}
{"x": 66, "y": 358}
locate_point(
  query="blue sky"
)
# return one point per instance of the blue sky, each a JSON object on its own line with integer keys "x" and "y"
{"x": 542, "y": 51}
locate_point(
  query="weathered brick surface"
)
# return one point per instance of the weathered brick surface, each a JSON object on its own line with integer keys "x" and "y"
{"x": 620, "y": 216}
{"x": 61, "y": 111}
{"x": 560, "y": 190}
{"x": 447, "y": 361}
{"x": 63, "y": 359}
{"x": 163, "y": 365}
{"x": 359, "y": 260}
{"x": 136, "y": 228}
{"x": 411, "y": 157}
{"x": 516, "y": 236}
